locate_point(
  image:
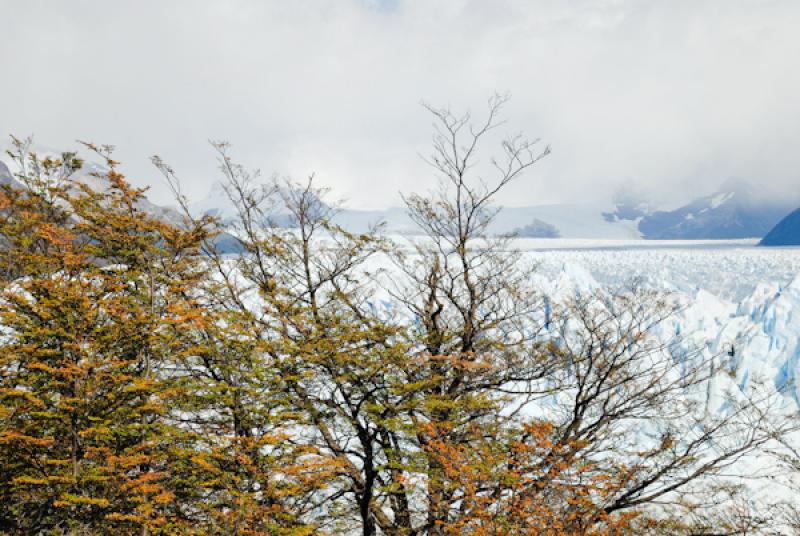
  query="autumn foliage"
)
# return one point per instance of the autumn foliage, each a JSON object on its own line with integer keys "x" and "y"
{"x": 151, "y": 383}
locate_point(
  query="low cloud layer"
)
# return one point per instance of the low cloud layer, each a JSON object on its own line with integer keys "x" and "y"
{"x": 671, "y": 97}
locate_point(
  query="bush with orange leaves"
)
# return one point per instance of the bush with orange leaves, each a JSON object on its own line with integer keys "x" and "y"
{"x": 522, "y": 482}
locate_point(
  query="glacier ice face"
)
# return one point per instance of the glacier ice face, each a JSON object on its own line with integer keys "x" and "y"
{"x": 739, "y": 303}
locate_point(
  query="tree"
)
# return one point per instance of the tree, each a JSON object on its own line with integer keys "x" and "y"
{"x": 152, "y": 383}
{"x": 261, "y": 366}
{"x": 592, "y": 369}
{"x": 521, "y": 481}
{"x": 423, "y": 417}
{"x": 88, "y": 323}
{"x": 334, "y": 356}
{"x": 350, "y": 370}
{"x": 248, "y": 473}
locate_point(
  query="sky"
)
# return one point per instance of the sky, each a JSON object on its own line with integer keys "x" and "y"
{"x": 668, "y": 98}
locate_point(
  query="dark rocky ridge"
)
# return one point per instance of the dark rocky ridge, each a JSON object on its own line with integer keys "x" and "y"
{"x": 786, "y": 232}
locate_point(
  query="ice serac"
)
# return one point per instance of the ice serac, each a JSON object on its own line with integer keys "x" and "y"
{"x": 737, "y": 210}
{"x": 771, "y": 347}
{"x": 785, "y": 233}
{"x": 751, "y": 341}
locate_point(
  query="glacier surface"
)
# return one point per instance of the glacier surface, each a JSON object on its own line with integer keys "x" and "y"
{"x": 740, "y": 301}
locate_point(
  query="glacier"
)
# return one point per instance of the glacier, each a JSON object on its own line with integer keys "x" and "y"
{"x": 739, "y": 301}
{"x": 739, "y": 306}
{"x": 735, "y": 306}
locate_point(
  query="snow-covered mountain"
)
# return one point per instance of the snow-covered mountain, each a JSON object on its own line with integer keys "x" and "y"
{"x": 737, "y": 210}
{"x": 217, "y": 203}
{"x": 87, "y": 175}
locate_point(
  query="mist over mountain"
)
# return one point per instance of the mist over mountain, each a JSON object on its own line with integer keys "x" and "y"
{"x": 537, "y": 229}
{"x": 630, "y": 203}
{"x": 567, "y": 220}
{"x": 736, "y": 210}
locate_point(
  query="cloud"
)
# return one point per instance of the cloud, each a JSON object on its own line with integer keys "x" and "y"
{"x": 674, "y": 97}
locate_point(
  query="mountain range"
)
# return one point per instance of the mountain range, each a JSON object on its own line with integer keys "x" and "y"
{"x": 736, "y": 210}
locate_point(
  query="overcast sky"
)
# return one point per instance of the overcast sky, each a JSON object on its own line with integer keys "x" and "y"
{"x": 671, "y": 96}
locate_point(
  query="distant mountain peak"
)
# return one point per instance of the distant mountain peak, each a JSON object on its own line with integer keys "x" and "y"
{"x": 737, "y": 185}
{"x": 629, "y": 204}
{"x": 736, "y": 210}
